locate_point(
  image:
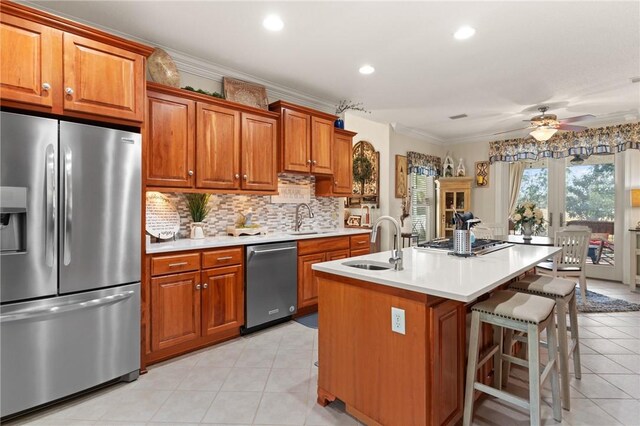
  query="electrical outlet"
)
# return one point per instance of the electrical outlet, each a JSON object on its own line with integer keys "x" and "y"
{"x": 397, "y": 320}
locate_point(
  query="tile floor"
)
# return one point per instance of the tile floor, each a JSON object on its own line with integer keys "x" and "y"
{"x": 268, "y": 378}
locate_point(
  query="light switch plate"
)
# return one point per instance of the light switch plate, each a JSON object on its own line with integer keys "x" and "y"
{"x": 397, "y": 320}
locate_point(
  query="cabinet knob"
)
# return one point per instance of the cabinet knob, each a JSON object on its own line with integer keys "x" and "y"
{"x": 335, "y": 182}
{"x": 69, "y": 91}
{"x": 314, "y": 162}
{"x": 197, "y": 286}
{"x": 190, "y": 172}
{"x": 205, "y": 285}
{"x": 245, "y": 177}
{"x": 237, "y": 176}
{"x": 308, "y": 161}
{"x": 46, "y": 86}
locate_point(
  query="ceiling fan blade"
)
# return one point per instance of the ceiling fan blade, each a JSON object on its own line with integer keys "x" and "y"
{"x": 569, "y": 128}
{"x": 577, "y": 118}
{"x": 509, "y": 131}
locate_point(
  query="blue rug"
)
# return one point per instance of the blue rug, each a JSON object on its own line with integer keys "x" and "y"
{"x": 597, "y": 302}
{"x": 310, "y": 320}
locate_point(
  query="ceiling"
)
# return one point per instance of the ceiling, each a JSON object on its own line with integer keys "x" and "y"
{"x": 578, "y": 57}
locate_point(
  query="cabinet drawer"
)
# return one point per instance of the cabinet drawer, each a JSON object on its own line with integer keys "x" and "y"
{"x": 360, "y": 241}
{"x": 212, "y": 259}
{"x": 359, "y": 252}
{"x": 322, "y": 245}
{"x": 177, "y": 263}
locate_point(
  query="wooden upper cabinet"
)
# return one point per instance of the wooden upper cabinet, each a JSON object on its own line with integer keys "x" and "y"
{"x": 102, "y": 79}
{"x": 296, "y": 146}
{"x": 169, "y": 141}
{"x": 217, "y": 147}
{"x": 259, "y": 145}
{"x": 31, "y": 63}
{"x": 222, "y": 299}
{"x": 175, "y": 310}
{"x": 340, "y": 184}
{"x": 321, "y": 146}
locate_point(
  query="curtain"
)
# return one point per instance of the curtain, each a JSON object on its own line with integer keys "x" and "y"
{"x": 422, "y": 164}
{"x": 516, "y": 170}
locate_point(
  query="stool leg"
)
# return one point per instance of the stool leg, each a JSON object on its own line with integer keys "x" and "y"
{"x": 533, "y": 342}
{"x": 552, "y": 340}
{"x": 573, "y": 319}
{"x": 497, "y": 358}
{"x": 508, "y": 344}
{"x": 472, "y": 366}
{"x": 583, "y": 286}
{"x": 561, "y": 310}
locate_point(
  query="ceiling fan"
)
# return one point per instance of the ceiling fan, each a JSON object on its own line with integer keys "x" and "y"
{"x": 546, "y": 125}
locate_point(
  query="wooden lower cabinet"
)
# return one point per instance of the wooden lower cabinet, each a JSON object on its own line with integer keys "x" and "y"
{"x": 222, "y": 299}
{"x": 307, "y": 286}
{"x": 175, "y": 310}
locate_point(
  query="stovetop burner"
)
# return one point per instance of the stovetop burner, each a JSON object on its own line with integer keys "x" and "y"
{"x": 479, "y": 246}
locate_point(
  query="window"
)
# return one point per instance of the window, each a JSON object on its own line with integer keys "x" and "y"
{"x": 422, "y": 206}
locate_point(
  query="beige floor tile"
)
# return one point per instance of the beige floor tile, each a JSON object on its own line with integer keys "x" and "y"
{"x": 255, "y": 357}
{"x": 92, "y": 406}
{"x": 220, "y": 357}
{"x": 604, "y": 331}
{"x": 626, "y": 411}
{"x": 293, "y": 358}
{"x": 589, "y": 322}
{"x": 282, "y": 409}
{"x": 61, "y": 422}
{"x": 604, "y": 346}
{"x": 205, "y": 378}
{"x": 298, "y": 340}
{"x": 585, "y": 412}
{"x": 611, "y": 321}
{"x": 184, "y": 406}
{"x": 631, "y": 344}
{"x": 233, "y": 407}
{"x": 135, "y": 405}
{"x": 246, "y": 380}
{"x": 630, "y": 362}
{"x": 332, "y": 414}
{"x": 289, "y": 380}
{"x": 164, "y": 378}
{"x": 631, "y": 331}
{"x": 600, "y": 364}
{"x": 630, "y": 383}
{"x": 594, "y": 386}
{"x": 494, "y": 412}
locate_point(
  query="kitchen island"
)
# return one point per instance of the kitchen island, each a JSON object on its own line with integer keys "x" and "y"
{"x": 414, "y": 376}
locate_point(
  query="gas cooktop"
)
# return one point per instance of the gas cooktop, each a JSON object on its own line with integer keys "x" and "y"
{"x": 479, "y": 246}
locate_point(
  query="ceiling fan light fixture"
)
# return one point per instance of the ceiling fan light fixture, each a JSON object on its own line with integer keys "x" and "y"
{"x": 542, "y": 134}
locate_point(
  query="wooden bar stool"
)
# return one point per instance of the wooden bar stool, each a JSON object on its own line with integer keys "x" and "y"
{"x": 564, "y": 293}
{"x": 522, "y": 312}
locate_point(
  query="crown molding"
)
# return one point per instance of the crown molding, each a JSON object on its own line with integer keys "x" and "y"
{"x": 417, "y": 134}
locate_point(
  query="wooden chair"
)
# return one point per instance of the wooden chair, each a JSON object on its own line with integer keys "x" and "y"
{"x": 571, "y": 262}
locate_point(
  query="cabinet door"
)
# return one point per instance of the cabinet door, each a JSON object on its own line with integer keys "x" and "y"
{"x": 102, "y": 79}
{"x": 321, "y": 146}
{"x": 31, "y": 63}
{"x": 217, "y": 147}
{"x": 175, "y": 310}
{"x": 259, "y": 165}
{"x": 307, "y": 286}
{"x": 338, "y": 254}
{"x": 296, "y": 146}
{"x": 170, "y": 141}
{"x": 222, "y": 299}
{"x": 342, "y": 165}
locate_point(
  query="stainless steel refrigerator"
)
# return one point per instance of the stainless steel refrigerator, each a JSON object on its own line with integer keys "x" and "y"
{"x": 70, "y": 198}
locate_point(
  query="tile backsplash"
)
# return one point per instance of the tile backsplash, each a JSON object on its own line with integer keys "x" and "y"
{"x": 225, "y": 209}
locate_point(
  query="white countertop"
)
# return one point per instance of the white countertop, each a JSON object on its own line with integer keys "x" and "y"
{"x": 227, "y": 241}
{"x": 436, "y": 273}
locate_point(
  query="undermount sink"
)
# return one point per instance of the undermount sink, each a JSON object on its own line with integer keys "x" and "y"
{"x": 307, "y": 232}
{"x": 368, "y": 264}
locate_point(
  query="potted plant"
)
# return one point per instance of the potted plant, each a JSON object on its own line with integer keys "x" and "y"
{"x": 362, "y": 170}
{"x": 345, "y": 105}
{"x": 198, "y": 205}
{"x": 528, "y": 218}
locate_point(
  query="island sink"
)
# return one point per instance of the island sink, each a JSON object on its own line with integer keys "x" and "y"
{"x": 369, "y": 265}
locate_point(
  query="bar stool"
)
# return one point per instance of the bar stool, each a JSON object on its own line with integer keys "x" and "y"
{"x": 564, "y": 293}
{"x": 522, "y": 312}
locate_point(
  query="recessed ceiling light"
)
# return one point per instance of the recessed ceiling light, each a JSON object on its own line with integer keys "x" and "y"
{"x": 273, "y": 23}
{"x": 366, "y": 69}
{"x": 464, "y": 33}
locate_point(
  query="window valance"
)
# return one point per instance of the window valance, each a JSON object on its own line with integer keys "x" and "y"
{"x": 423, "y": 164}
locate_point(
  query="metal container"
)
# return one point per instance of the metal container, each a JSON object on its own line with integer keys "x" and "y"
{"x": 462, "y": 242}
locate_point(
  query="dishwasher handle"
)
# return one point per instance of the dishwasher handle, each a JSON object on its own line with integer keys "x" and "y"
{"x": 254, "y": 251}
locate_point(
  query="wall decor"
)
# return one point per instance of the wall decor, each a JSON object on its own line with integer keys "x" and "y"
{"x": 161, "y": 217}
{"x": 461, "y": 171}
{"x": 482, "y": 174}
{"x": 365, "y": 189}
{"x": 288, "y": 193}
{"x": 354, "y": 220}
{"x": 162, "y": 69}
{"x": 447, "y": 168}
{"x": 245, "y": 93}
{"x": 401, "y": 176}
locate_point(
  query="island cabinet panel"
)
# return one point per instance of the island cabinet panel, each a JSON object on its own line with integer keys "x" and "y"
{"x": 217, "y": 147}
{"x": 259, "y": 153}
{"x": 385, "y": 377}
{"x": 322, "y": 146}
{"x": 296, "y": 146}
{"x": 101, "y": 79}
{"x": 169, "y": 141}
{"x": 31, "y": 61}
{"x": 222, "y": 299}
{"x": 340, "y": 184}
{"x": 175, "y": 310}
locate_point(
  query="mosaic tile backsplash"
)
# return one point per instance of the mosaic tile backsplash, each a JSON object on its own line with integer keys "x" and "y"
{"x": 225, "y": 209}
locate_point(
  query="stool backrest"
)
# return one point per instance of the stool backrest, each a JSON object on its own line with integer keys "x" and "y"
{"x": 481, "y": 231}
{"x": 575, "y": 244}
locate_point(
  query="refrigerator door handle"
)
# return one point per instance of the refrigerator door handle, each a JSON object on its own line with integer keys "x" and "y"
{"x": 56, "y": 310}
{"x": 50, "y": 187}
{"x": 68, "y": 206}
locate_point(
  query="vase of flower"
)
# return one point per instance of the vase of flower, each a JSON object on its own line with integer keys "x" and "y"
{"x": 198, "y": 205}
{"x": 527, "y": 231}
{"x": 197, "y": 230}
{"x": 528, "y": 219}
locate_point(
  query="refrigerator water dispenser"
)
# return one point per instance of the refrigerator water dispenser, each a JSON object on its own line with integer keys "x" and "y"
{"x": 13, "y": 219}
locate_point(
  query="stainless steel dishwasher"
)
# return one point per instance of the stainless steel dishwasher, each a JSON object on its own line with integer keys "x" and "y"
{"x": 272, "y": 283}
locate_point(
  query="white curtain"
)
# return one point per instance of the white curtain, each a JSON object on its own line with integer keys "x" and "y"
{"x": 516, "y": 170}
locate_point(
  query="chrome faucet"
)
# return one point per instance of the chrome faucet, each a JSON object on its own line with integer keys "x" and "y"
{"x": 396, "y": 254}
{"x": 299, "y": 218}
